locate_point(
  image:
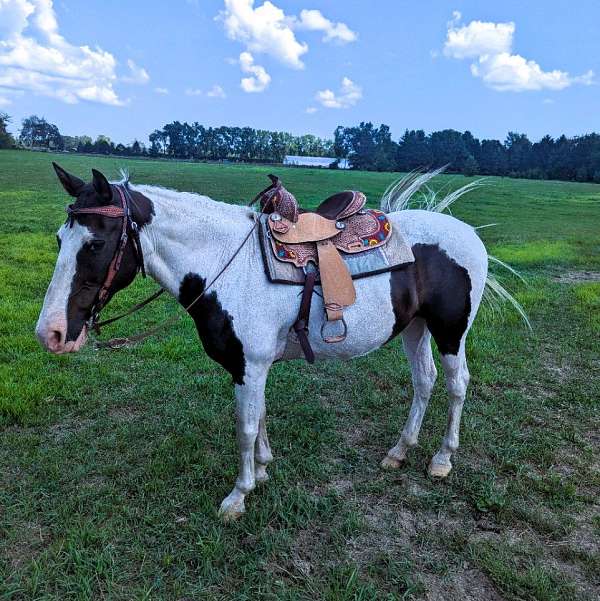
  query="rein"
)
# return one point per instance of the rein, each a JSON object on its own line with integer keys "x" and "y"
{"x": 128, "y": 225}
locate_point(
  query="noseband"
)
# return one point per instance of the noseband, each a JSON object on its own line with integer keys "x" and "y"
{"x": 128, "y": 228}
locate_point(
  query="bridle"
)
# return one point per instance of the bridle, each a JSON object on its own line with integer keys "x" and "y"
{"x": 129, "y": 229}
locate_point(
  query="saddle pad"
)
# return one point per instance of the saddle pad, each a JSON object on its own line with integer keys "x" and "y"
{"x": 392, "y": 255}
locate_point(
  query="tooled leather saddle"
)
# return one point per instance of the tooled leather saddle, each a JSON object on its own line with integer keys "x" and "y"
{"x": 314, "y": 240}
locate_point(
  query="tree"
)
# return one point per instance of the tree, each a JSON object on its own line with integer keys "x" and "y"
{"x": 492, "y": 158}
{"x": 6, "y": 139}
{"x": 341, "y": 142}
{"x": 413, "y": 151}
{"x": 518, "y": 148}
{"x": 103, "y": 145}
{"x": 470, "y": 166}
{"x": 386, "y": 149}
{"x": 541, "y": 153}
{"x": 448, "y": 148}
{"x": 37, "y": 132}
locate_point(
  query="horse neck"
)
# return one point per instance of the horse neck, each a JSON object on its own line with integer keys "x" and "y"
{"x": 190, "y": 233}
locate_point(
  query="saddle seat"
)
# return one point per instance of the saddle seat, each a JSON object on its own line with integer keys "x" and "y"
{"x": 314, "y": 240}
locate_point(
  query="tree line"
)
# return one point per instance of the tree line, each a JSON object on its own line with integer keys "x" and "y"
{"x": 563, "y": 158}
{"x": 366, "y": 146}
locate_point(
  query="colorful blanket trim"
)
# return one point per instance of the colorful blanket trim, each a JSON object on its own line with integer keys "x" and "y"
{"x": 286, "y": 253}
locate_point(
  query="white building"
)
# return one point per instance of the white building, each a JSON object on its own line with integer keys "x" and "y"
{"x": 323, "y": 162}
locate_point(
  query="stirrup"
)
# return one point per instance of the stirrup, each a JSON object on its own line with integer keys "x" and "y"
{"x": 336, "y": 337}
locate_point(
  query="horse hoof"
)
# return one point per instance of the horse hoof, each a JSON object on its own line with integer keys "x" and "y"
{"x": 231, "y": 510}
{"x": 390, "y": 463}
{"x": 439, "y": 470}
{"x": 260, "y": 473}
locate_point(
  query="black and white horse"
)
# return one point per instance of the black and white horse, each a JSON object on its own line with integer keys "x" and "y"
{"x": 244, "y": 321}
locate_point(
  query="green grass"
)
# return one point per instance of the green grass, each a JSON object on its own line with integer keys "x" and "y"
{"x": 110, "y": 476}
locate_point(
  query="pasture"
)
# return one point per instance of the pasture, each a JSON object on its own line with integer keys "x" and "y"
{"x": 113, "y": 463}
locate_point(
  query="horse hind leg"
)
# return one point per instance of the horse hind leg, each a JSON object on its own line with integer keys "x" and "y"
{"x": 457, "y": 380}
{"x": 417, "y": 346}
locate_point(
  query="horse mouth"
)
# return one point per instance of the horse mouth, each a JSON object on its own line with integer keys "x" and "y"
{"x": 74, "y": 345}
{"x": 53, "y": 341}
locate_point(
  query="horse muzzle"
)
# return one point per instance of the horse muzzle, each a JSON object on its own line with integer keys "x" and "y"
{"x": 52, "y": 334}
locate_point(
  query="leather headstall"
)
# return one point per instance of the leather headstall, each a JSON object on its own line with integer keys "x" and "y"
{"x": 128, "y": 228}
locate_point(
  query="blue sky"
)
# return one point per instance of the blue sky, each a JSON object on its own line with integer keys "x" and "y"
{"x": 302, "y": 66}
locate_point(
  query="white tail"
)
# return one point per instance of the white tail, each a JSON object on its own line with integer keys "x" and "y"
{"x": 402, "y": 195}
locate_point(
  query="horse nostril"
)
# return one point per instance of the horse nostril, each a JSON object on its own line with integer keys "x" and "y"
{"x": 54, "y": 338}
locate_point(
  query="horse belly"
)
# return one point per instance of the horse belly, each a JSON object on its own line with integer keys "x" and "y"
{"x": 370, "y": 322}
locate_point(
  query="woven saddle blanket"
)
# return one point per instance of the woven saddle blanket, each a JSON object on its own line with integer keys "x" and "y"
{"x": 285, "y": 263}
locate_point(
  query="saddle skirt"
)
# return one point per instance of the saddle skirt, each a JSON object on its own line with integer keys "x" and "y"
{"x": 367, "y": 229}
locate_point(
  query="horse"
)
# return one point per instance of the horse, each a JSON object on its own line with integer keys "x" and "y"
{"x": 244, "y": 320}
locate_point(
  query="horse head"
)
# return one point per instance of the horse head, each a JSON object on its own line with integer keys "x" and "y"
{"x": 87, "y": 246}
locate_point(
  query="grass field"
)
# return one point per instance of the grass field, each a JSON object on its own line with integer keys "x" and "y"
{"x": 112, "y": 464}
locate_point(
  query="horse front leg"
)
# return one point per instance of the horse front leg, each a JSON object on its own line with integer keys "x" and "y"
{"x": 250, "y": 407}
{"x": 262, "y": 450}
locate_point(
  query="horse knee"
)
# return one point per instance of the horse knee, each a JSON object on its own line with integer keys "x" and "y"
{"x": 425, "y": 381}
{"x": 457, "y": 382}
{"x": 247, "y": 435}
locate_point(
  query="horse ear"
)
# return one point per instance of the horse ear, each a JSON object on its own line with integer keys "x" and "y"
{"x": 102, "y": 186}
{"x": 69, "y": 182}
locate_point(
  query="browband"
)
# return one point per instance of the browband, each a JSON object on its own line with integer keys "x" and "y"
{"x": 108, "y": 211}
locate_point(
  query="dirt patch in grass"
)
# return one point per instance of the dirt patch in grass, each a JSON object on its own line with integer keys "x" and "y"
{"x": 577, "y": 277}
{"x": 72, "y": 425}
{"x": 24, "y": 548}
{"x": 124, "y": 414}
{"x": 466, "y": 585}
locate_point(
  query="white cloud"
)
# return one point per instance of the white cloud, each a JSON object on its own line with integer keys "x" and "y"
{"x": 513, "y": 73}
{"x": 348, "y": 96}
{"x": 311, "y": 110}
{"x": 259, "y": 79}
{"x": 548, "y": 101}
{"x": 162, "y": 91}
{"x": 216, "y": 92}
{"x": 266, "y": 29}
{"x": 314, "y": 20}
{"x": 496, "y": 65}
{"x": 478, "y": 38}
{"x": 35, "y": 57}
{"x": 138, "y": 75}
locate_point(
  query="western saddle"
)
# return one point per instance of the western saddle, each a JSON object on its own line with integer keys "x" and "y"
{"x": 313, "y": 240}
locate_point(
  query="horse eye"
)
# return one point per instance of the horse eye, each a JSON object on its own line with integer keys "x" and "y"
{"x": 95, "y": 245}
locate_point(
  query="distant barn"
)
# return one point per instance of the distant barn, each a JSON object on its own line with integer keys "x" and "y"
{"x": 323, "y": 162}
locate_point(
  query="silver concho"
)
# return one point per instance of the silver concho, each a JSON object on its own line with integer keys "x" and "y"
{"x": 340, "y": 225}
{"x": 275, "y": 217}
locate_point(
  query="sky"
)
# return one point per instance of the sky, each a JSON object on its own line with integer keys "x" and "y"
{"x": 123, "y": 69}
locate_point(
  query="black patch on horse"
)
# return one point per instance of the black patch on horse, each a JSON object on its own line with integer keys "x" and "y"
{"x": 214, "y": 325}
{"x": 436, "y": 288}
{"x": 404, "y": 296}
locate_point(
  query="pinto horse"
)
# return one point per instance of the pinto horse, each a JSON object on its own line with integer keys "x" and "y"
{"x": 244, "y": 321}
